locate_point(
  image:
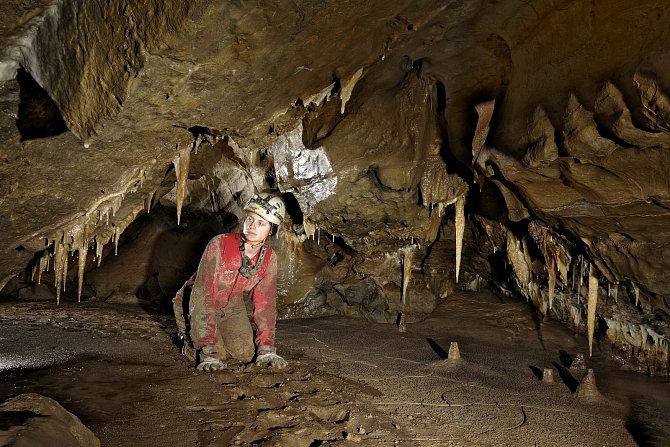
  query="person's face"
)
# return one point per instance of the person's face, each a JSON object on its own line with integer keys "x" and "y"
{"x": 256, "y": 228}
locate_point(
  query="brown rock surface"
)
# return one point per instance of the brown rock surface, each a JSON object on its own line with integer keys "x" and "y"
{"x": 32, "y": 420}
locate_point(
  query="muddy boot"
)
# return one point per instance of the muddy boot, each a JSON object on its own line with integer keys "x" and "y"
{"x": 187, "y": 349}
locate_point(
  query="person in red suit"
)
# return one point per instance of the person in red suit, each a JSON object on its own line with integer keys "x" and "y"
{"x": 233, "y": 267}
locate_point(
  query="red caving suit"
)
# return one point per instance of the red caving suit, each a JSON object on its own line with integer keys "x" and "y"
{"x": 218, "y": 315}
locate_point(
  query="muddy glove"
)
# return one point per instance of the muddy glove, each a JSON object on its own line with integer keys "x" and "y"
{"x": 211, "y": 364}
{"x": 267, "y": 357}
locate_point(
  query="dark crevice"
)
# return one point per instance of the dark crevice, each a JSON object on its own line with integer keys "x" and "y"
{"x": 605, "y": 132}
{"x": 293, "y": 208}
{"x": 38, "y": 115}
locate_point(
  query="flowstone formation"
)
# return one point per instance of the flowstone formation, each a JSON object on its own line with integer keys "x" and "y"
{"x": 420, "y": 147}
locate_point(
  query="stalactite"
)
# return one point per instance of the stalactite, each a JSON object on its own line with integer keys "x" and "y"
{"x": 552, "y": 280}
{"x": 98, "y": 250}
{"x": 80, "y": 235}
{"x": 40, "y": 266}
{"x": 576, "y": 314}
{"x": 116, "y": 237}
{"x": 637, "y": 293}
{"x": 516, "y": 254}
{"x": 348, "y": 88}
{"x": 406, "y": 253}
{"x": 615, "y": 293}
{"x": 562, "y": 267}
{"x": 484, "y": 115}
{"x": 460, "y": 230}
{"x": 181, "y": 164}
{"x": 116, "y": 203}
{"x": 310, "y": 228}
{"x": 591, "y": 306}
{"x": 43, "y": 265}
{"x": 81, "y": 258}
{"x": 149, "y": 200}
{"x": 60, "y": 266}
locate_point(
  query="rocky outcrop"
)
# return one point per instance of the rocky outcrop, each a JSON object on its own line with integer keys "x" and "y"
{"x": 35, "y": 420}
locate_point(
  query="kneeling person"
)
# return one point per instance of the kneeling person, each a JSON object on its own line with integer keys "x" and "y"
{"x": 233, "y": 264}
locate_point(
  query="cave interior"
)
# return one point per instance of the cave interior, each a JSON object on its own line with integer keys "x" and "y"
{"x": 423, "y": 149}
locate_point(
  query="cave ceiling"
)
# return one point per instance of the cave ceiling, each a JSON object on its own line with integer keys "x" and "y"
{"x": 548, "y": 120}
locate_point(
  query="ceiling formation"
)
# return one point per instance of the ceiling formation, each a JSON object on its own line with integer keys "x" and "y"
{"x": 517, "y": 145}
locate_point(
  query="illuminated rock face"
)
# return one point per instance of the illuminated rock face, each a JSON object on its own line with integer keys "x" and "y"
{"x": 377, "y": 121}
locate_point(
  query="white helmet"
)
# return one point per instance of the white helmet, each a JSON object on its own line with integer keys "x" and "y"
{"x": 269, "y": 206}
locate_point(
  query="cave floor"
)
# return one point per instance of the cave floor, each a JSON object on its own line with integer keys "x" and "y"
{"x": 349, "y": 382}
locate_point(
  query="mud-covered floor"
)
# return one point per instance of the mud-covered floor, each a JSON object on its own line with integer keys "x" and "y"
{"x": 349, "y": 382}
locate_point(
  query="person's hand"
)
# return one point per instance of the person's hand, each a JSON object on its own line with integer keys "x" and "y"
{"x": 268, "y": 357}
{"x": 272, "y": 360}
{"x": 211, "y": 364}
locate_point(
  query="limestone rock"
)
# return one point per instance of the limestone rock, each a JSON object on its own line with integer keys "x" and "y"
{"x": 33, "y": 420}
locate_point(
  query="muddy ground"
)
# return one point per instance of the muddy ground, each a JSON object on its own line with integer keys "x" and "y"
{"x": 349, "y": 382}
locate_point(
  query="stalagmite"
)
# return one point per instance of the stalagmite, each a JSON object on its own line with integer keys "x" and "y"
{"x": 637, "y": 293}
{"x": 181, "y": 164}
{"x": 591, "y": 306}
{"x": 460, "y": 230}
{"x": 587, "y": 386}
{"x": 548, "y": 375}
{"x": 454, "y": 352}
{"x": 578, "y": 363}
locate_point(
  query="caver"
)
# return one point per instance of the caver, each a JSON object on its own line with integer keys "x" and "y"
{"x": 215, "y": 323}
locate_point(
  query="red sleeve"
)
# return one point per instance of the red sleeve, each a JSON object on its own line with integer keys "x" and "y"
{"x": 265, "y": 304}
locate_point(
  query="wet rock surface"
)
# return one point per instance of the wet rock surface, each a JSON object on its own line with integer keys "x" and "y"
{"x": 349, "y": 382}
